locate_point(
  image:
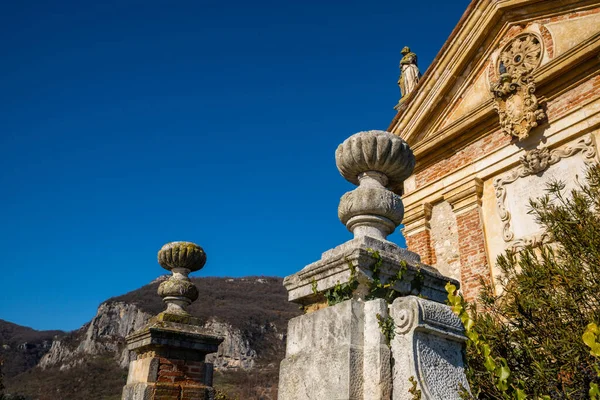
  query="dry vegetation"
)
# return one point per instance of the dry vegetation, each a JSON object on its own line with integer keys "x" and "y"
{"x": 258, "y": 306}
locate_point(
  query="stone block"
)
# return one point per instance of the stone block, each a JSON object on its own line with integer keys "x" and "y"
{"x": 334, "y": 267}
{"x": 337, "y": 353}
{"x": 143, "y": 370}
{"x": 138, "y": 391}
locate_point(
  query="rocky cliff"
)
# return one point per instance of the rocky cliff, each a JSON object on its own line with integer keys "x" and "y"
{"x": 105, "y": 335}
{"x": 250, "y": 313}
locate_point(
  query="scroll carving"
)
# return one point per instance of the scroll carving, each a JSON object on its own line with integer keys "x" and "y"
{"x": 534, "y": 162}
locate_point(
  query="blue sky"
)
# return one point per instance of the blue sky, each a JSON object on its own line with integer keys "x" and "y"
{"x": 128, "y": 124}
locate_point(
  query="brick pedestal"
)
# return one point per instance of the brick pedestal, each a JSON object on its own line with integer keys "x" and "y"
{"x": 170, "y": 360}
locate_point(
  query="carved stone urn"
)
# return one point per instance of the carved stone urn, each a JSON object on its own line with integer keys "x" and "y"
{"x": 375, "y": 161}
{"x": 180, "y": 258}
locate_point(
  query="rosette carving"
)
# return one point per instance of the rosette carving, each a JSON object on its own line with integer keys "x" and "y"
{"x": 521, "y": 55}
{"x": 514, "y": 98}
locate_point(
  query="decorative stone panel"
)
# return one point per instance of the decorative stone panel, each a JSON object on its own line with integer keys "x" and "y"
{"x": 427, "y": 347}
{"x": 538, "y": 167}
{"x": 444, "y": 239}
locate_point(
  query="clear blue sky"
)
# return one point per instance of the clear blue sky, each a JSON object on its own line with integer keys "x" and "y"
{"x": 128, "y": 124}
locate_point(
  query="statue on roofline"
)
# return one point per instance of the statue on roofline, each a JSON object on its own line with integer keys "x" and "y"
{"x": 409, "y": 72}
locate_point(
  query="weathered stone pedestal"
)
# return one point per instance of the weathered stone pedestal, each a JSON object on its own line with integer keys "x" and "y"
{"x": 172, "y": 347}
{"x": 340, "y": 352}
{"x": 364, "y": 348}
{"x": 337, "y": 353}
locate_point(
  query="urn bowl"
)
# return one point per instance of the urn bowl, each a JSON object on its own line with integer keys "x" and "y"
{"x": 378, "y": 151}
{"x": 182, "y": 255}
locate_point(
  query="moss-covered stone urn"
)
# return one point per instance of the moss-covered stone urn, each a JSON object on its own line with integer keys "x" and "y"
{"x": 180, "y": 258}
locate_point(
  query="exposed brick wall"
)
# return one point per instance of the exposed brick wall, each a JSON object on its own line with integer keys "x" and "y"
{"x": 180, "y": 380}
{"x": 420, "y": 243}
{"x": 465, "y": 156}
{"x": 574, "y": 98}
{"x": 569, "y": 16}
{"x": 473, "y": 259}
{"x": 548, "y": 41}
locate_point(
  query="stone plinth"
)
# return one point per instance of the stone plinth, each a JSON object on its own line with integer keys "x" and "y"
{"x": 171, "y": 348}
{"x": 340, "y": 352}
{"x": 170, "y": 363}
{"x": 335, "y": 267}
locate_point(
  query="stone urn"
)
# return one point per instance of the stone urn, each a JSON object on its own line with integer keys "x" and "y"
{"x": 376, "y": 161}
{"x": 180, "y": 258}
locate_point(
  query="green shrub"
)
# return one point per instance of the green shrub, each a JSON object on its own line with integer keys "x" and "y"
{"x": 547, "y": 296}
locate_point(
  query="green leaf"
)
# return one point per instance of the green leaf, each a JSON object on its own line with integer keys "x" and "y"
{"x": 450, "y": 288}
{"x": 503, "y": 372}
{"x": 594, "y": 391}
{"x": 589, "y": 339}
{"x": 489, "y": 364}
{"x": 520, "y": 394}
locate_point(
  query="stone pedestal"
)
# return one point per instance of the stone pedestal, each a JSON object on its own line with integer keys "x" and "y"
{"x": 340, "y": 353}
{"x": 337, "y": 353}
{"x": 363, "y": 348}
{"x": 170, "y": 360}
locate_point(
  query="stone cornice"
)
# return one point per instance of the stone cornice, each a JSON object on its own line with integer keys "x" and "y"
{"x": 563, "y": 71}
{"x": 577, "y": 121}
{"x": 480, "y": 27}
{"x": 465, "y": 197}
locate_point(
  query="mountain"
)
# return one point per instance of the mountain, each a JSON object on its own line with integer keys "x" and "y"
{"x": 21, "y": 348}
{"x": 90, "y": 363}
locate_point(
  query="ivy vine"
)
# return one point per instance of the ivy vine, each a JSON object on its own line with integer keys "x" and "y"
{"x": 340, "y": 291}
{"x": 591, "y": 338}
{"x": 497, "y": 367}
{"x": 416, "y": 393}
{"x": 386, "y": 325}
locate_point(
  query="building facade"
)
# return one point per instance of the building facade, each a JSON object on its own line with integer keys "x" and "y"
{"x": 511, "y": 102}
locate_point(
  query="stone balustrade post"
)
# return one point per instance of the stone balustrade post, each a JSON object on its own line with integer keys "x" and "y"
{"x": 171, "y": 348}
{"x": 341, "y": 351}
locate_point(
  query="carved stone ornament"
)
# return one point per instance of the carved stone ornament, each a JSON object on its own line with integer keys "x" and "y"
{"x": 534, "y": 162}
{"x": 514, "y": 98}
{"x": 375, "y": 161}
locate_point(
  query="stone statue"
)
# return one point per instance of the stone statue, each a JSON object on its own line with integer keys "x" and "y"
{"x": 409, "y": 72}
